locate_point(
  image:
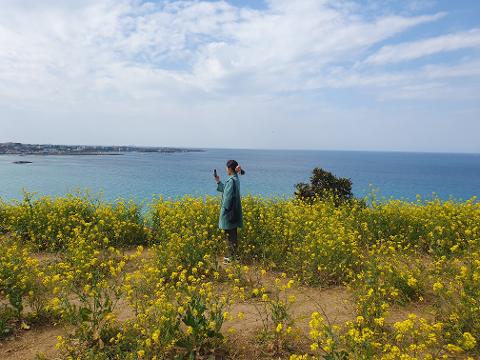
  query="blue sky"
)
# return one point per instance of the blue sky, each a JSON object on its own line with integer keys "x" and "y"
{"x": 304, "y": 74}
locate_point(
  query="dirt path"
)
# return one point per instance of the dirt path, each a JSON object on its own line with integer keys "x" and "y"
{"x": 28, "y": 343}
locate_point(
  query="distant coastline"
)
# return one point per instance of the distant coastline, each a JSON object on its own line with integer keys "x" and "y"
{"x": 11, "y": 148}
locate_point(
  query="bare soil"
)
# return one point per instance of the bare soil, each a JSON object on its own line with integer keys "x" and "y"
{"x": 26, "y": 344}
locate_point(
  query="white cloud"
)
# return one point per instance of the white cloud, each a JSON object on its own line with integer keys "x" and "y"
{"x": 283, "y": 49}
{"x": 418, "y": 49}
{"x": 208, "y": 46}
{"x": 345, "y": 78}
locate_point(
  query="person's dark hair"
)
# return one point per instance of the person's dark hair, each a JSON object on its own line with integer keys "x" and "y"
{"x": 232, "y": 164}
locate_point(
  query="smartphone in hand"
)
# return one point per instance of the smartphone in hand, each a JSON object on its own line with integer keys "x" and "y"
{"x": 215, "y": 173}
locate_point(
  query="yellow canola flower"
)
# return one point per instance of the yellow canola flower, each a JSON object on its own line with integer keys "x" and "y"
{"x": 454, "y": 348}
{"x": 437, "y": 286}
{"x": 411, "y": 281}
{"x": 155, "y": 336}
{"x": 469, "y": 342}
{"x": 279, "y": 328}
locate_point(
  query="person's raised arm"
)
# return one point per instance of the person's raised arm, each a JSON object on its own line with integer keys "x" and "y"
{"x": 220, "y": 186}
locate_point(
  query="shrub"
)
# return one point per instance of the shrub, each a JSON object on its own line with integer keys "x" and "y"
{"x": 324, "y": 184}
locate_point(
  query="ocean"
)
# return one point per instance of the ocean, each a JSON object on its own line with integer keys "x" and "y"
{"x": 140, "y": 176}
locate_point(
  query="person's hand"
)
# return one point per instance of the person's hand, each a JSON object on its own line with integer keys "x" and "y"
{"x": 238, "y": 169}
{"x": 217, "y": 179}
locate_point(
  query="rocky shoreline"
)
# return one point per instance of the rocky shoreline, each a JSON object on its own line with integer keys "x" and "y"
{"x": 39, "y": 149}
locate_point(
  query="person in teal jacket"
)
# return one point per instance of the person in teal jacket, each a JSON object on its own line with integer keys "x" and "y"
{"x": 231, "y": 217}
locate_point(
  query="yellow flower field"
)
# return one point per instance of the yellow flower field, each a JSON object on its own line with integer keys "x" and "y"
{"x": 124, "y": 281}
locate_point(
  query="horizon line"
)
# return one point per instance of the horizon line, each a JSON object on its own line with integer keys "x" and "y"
{"x": 262, "y": 149}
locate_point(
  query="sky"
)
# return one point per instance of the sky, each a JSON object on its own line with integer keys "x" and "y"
{"x": 264, "y": 74}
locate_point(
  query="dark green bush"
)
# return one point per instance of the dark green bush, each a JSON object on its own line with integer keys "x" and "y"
{"x": 323, "y": 185}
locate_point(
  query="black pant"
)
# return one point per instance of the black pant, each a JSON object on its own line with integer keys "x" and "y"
{"x": 232, "y": 242}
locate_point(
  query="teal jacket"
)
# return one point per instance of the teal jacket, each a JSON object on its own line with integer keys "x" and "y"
{"x": 227, "y": 200}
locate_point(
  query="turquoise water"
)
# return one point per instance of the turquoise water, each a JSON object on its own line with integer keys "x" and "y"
{"x": 269, "y": 172}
